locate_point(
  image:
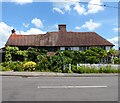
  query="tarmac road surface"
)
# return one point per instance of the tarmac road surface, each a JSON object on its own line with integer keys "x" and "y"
{"x": 16, "y": 88}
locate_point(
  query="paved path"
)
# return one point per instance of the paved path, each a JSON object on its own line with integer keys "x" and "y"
{"x": 53, "y": 74}
{"x": 18, "y": 88}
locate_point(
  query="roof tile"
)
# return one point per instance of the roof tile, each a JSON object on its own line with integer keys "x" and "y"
{"x": 59, "y": 39}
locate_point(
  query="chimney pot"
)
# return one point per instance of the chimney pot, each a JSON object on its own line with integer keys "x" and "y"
{"x": 13, "y": 31}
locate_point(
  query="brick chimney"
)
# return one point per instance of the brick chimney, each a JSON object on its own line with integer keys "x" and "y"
{"x": 62, "y": 27}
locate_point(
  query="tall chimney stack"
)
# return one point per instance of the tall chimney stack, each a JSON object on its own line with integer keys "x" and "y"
{"x": 62, "y": 27}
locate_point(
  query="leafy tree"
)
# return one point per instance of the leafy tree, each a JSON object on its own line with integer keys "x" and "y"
{"x": 102, "y": 55}
{"x": 68, "y": 53}
{"x": 32, "y": 53}
{"x": 111, "y": 54}
{"x": 79, "y": 57}
{"x": 10, "y": 51}
{"x": 92, "y": 56}
{"x": 117, "y": 60}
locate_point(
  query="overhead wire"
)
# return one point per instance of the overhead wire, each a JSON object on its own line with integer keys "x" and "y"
{"x": 100, "y": 5}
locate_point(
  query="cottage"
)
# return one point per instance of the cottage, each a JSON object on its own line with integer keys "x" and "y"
{"x": 59, "y": 40}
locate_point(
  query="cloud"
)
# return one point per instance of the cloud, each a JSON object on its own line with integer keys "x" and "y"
{"x": 93, "y": 6}
{"x": 63, "y": 7}
{"x": 114, "y": 40}
{"x": 116, "y": 29}
{"x": 67, "y": 7}
{"x": 22, "y": 2}
{"x": 25, "y": 25}
{"x": 4, "y": 33}
{"x": 77, "y": 27}
{"x": 79, "y": 9}
{"x": 31, "y": 31}
{"x": 37, "y": 22}
{"x": 58, "y": 10}
{"x": 90, "y": 25}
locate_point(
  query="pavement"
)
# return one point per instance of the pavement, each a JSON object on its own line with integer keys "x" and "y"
{"x": 53, "y": 74}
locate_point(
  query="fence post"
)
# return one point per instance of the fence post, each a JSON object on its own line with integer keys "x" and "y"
{"x": 69, "y": 67}
{"x": 77, "y": 66}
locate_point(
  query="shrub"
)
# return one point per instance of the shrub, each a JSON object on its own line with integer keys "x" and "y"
{"x": 108, "y": 70}
{"x": 83, "y": 69}
{"x": 74, "y": 69}
{"x": 39, "y": 67}
{"x": 29, "y": 66}
{"x": 15, "y": 66}
{"x": 2, "y": 68}
{"x": 18, "y": 66}
{"x": 66, "y": 70}
{"x": 117, "y": 60}
{"x": 4, "y": 64}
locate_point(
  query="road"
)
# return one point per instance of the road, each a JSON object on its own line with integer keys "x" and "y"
{"x": 59, "y": 88}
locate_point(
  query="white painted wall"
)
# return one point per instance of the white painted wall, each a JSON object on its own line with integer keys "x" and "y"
{"x": 62, "y": 48}
{"x": 107, "y": 48}
{"x": 75, "y": 48}
{"x": 71, "y": 48}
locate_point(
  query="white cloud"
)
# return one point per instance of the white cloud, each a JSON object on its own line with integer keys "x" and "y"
{"x": 94, "y": 6}
{"x": 31, "y": 31}
{"x": 90, "y": 25}
{"x": 25, "y": 25}
{"x": 22, "y": 2}
{"x": 4, "y": 33}
{"x": 79, "y": 9}
{"x": 116, "y": 29}
{"x": 63, "y": 7}
{"x": 37, "y": 22}
{"x": 77, "y": 27}
{"x": 114, "y": 41}
{"x": 67, "y": 7}
{"x": 58, "y": 10}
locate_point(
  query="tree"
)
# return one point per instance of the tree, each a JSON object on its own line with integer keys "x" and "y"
{"x": 10, "y": 52}
{"x": 32, "y": 54}
{"x": 79, "y": 57}
{"x": 92, "y": 55}
{"x": 111, "y": 54}
{"x": 102, "y": 55}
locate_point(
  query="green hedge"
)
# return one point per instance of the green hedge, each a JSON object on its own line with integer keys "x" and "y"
{"x": 32, "y": 66}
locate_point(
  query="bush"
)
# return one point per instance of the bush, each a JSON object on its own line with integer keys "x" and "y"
{"x": 18, "y": 66}
{"x": 4, "y": 64}
{"x": 108, "y": 70}
{"x": 15, "y": 66}
{"x": 84, "y": 69}
{"x": 2, "y": 68}
{"x": 29, "y": 66}
{"x": 117, "y": 60}
{"x": 74, "y": 69}
{"x": 66, "y": 70}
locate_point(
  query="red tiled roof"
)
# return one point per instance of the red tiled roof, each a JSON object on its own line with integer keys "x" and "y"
{"x": 59, "y": 39}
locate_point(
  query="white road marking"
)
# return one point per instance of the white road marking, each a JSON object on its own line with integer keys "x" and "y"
{"x": 57, "y": 87}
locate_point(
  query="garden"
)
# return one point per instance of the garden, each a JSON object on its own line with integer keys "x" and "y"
{"x": 34, "y": 59}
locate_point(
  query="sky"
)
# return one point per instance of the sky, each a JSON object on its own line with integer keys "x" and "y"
{"x": 29, "y": 17}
